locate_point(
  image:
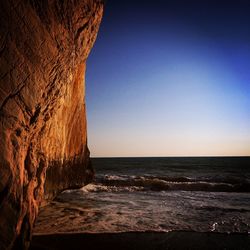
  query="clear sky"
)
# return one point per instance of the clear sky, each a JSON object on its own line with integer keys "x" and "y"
{"x": 170, "y": 78}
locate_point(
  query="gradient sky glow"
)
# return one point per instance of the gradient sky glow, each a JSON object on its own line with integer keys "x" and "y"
{"x": 170, "y": 78}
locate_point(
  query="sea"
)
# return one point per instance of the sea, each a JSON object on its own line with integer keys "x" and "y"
{"x": 162, "y": 194}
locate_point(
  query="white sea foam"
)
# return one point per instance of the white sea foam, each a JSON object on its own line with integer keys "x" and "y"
{"x": 94, "y": 188}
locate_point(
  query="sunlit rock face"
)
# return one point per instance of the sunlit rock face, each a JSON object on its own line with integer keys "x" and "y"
{"x": 43, "y": 145}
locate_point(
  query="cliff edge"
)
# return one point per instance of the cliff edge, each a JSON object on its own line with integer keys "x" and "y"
{"x": 43, "y": 144}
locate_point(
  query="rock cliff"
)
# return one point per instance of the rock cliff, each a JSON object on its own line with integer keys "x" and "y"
{"x": 43, "y": 145}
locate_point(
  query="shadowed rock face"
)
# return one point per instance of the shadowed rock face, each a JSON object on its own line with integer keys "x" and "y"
{"x": 43, "y": 145}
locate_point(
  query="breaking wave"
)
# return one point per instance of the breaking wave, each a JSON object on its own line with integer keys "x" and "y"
{"x": 120, "y": 183}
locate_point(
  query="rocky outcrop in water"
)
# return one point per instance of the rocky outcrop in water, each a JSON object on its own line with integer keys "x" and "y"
{"x": 43, "y": 145}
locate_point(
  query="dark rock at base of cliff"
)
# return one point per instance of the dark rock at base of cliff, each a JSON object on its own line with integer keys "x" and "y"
{"x": 62, "y": 175}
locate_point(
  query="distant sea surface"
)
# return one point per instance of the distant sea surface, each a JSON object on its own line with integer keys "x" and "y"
{"x": 204, "y": 194}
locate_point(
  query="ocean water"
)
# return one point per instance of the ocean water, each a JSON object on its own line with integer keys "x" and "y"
{"x": 204, "y": 194}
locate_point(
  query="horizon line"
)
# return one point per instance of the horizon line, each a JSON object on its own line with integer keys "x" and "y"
{"x": 183, "y": 156}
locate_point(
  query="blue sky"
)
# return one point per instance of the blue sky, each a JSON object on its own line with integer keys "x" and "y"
{"x": 170, "y": 78}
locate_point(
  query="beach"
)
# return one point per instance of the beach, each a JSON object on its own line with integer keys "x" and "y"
{"x": 141, "y": 240}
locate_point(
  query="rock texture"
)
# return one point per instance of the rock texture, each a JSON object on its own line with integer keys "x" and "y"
{"x": 43, "y": 145}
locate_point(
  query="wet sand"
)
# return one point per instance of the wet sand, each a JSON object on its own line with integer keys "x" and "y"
{"x": 142, "y": 240}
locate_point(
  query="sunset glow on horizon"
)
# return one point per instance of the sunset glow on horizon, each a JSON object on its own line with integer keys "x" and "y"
{"x": 174, "y": 84}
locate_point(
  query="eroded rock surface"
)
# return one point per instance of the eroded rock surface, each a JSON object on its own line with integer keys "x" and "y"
{"x": 43, "y": 144}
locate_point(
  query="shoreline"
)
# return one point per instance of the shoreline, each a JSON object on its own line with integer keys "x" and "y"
{"x": 174, "y": 240}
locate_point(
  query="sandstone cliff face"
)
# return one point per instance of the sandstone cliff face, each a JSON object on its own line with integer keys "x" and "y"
{"x": 43, "y": 145}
